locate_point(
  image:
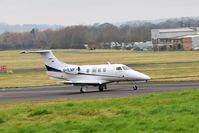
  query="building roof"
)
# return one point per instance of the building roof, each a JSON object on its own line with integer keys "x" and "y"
{"x": 177, "y": 30}
{"x": 187, "y": 36}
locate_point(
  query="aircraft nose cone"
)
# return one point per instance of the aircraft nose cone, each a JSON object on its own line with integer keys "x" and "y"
{"x": 144, "y": 77}
{"x": 147, "y": 77}
{"x": 138, "y": 76}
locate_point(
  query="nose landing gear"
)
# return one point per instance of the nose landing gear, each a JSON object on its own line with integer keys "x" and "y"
{"x": 135, "y": 87}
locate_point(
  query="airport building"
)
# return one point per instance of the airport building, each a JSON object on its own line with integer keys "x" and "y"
{"x": 175, "y": 39}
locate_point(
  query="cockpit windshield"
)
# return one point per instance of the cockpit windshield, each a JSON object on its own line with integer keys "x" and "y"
{"x": 126, "y": 68}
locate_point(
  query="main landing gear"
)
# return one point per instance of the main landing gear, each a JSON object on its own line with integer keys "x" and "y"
{"x": 83, "y": 89}
{"x": 102, "y": 87}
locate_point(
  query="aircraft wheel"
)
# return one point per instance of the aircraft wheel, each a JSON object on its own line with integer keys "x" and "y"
{"x": 83, "y": 89}
{"x": 101, "y": 88}
{"x": 135, "y": 87}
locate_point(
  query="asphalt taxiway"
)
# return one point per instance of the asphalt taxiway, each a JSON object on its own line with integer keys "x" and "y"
{"x": 72, "y": 92}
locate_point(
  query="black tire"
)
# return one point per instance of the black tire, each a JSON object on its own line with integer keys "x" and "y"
{"x": 135, "y": 87}
{"x": 82, "y": 90}
{"x": 101, "y": 88}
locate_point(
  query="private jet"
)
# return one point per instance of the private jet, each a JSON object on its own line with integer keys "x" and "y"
{"x": 89, "y": 75}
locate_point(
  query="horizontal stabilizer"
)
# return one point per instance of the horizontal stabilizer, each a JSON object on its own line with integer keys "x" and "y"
{"x": 38, "y": 51}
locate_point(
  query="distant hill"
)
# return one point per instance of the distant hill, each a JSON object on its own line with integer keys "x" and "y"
{"x": 4, "y": 27}
{"x": 76, "y": 36}
{"x": 156, "y": 21}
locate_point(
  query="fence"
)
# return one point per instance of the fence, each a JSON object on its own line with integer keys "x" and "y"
{"x": 3, "y": 68}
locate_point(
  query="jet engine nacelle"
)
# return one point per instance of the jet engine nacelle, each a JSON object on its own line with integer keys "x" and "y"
{"x": 72, "y": 70}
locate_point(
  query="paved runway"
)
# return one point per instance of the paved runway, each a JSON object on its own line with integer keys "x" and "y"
{"x": 72, "y": 92}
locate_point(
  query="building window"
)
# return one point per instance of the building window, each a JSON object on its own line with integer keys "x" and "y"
{"x": 179, "y": 46}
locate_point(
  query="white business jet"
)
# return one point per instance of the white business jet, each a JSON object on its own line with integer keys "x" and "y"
{"x": 85, "y": 75}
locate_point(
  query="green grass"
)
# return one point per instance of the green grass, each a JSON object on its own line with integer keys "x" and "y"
{"x": 39, "y": 112}
{"x": 160, "y": 113}
{"x": 161, "y": 66}
{"x": 25, "y": 80}
{"x": 14, "y": 60}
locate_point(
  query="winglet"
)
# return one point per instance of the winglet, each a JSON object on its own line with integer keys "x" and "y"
{"x": 108, "y": 62}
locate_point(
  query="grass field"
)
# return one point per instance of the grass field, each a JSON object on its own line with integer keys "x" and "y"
{"x": 14, "y": 60}
{"x": 25, "y": 80}
{"x": 161, "y": 66}
{"x": 175, "y": 112}
{"x": 165, "y": 112}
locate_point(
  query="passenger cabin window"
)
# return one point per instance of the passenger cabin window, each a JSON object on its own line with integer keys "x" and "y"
{"x": 118, "y": 68}
{"x": 104, "y": 69}
{"x": 99, "y": 69}
{"x": 94, "y": 70}
{"x": 87, "y": 70}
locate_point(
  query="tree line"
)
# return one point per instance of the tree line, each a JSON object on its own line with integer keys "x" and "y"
{"x": 77, "y": 36}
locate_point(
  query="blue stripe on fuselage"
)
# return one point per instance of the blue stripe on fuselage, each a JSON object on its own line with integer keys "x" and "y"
{"x": 52, "y": 69}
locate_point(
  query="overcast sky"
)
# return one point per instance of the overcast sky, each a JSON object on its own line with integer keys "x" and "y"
{"x": 72, "y": 12}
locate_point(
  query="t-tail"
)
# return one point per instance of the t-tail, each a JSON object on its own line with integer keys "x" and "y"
{"x": 50, "y": 61}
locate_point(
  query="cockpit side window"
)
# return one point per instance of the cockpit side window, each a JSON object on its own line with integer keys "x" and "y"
{"x": 118, "y": 68}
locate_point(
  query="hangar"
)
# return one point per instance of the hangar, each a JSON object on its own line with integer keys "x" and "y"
{"x": 175, "y": 39}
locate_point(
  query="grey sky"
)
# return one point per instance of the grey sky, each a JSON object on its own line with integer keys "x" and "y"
{"x": 71, "y": 12}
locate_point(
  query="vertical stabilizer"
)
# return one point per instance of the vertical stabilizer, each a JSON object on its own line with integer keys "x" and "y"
{"x": 50, "y": 61}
